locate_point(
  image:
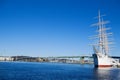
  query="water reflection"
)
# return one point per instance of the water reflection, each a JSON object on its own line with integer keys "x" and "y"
{"x": 106, "y": 73}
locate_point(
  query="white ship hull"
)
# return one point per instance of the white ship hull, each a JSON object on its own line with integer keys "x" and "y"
{"x": 102, "y": 60}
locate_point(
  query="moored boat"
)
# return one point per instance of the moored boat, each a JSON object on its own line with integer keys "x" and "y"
{"x": 101, "y": 49}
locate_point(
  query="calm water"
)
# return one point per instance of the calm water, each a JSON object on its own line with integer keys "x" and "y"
{"x": 55, "y": 71}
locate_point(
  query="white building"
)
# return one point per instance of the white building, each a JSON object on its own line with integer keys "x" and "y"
{"x": 6, "y": 58}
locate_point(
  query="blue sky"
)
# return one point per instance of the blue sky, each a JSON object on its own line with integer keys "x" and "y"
{"x": 54, "y": 27}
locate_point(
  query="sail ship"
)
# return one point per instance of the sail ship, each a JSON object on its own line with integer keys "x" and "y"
{"x": 101, "y": 50}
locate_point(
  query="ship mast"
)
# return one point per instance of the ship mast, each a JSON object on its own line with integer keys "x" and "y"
{"x": 102, "y": 36}
{"x": 100, "y": 32}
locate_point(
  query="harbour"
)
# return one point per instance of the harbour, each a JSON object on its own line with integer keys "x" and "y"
{"x": 59, "y": 40}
